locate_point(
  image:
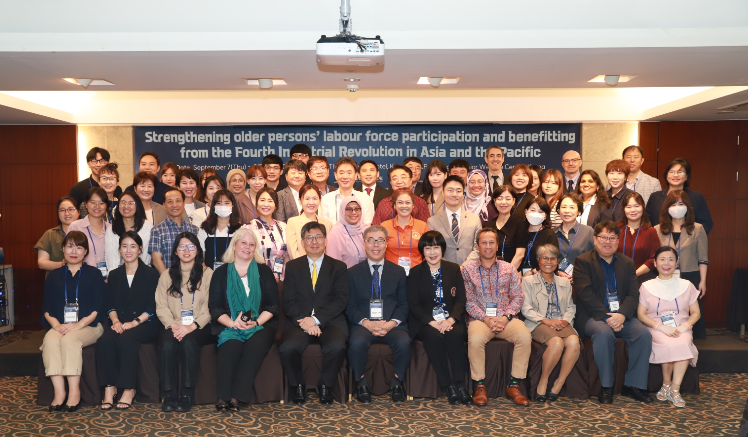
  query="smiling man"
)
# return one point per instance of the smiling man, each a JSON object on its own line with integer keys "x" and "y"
{"x": 319, "y": 172}
{"x": 459, "y": 227}
{"x": 494, "y": 158}
{"x": 150, "y": 163}
{"x": 346, "y": 170}
{"x": 289, "y": 203}
{"x": 96, "y": 158}
{"x": 571, "y": 162}
{"x": 639, "y": 181}
{"x": 400, "y": 179}
{"x": 162, "y": 235}
{"x": 369, "y": 175}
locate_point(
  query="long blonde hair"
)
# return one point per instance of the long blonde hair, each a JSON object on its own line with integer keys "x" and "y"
{"x": 229, "y": 257}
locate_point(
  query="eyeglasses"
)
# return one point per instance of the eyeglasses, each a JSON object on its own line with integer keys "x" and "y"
{"x": 95, "y": 203}
{"x": 109, "y": 179}
{"x": 318, "y": 168}
{"x": 676, "y": 173}
{"x": 183, "y": 247}
{"x": 570, "y": 161}
{"x": 607, "y": 239}
{"x": 549, "y": 258}
{"x": 130, "y": 203}
{"x": 354, "y": 210}
{"x": 376, "y": 242}
{"x": 299, "y": 155}
{"x": 98, "y": 161}
{"x": 67, "y": 210}
{"x": 272, "y": 167}
{"x": 314, "y": 238}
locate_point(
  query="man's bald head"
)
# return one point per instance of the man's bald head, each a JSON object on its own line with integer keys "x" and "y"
{"x": 572, "y": 162}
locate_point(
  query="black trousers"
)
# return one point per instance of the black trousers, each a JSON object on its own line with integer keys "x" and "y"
{"x": 699, "y": 328}
{"x": 234, "y": 355}
{"x": 442, "y": 347}
{"x": 361, "y": 339}
{"x": 187, "y": 352}
{"x": 295, "y": 341}
{"x": 118, "y": 355}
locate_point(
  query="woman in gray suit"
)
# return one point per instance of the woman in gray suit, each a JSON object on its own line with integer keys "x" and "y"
{"x": 549, "y": 313}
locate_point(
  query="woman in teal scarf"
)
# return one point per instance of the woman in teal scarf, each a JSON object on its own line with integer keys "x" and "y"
{"x": 243, "y": 286}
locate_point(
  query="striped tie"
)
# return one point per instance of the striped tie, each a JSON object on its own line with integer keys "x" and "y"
{"x": 455, "y": 227}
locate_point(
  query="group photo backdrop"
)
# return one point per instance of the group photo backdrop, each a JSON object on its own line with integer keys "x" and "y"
{"x": 238, "y": 147}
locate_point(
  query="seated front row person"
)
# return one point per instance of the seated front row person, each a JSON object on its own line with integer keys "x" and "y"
{"x": 494, "y": 299}
{"x": 72, "y": 305}
{"x": 669, "y": 307}
{"x": 377, "y": 311}
{"x": 549, "y": 313}
{"x": 607, "y": 297}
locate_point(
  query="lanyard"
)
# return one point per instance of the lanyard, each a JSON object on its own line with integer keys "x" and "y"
{"x": 576, "y": 232}
{"x": 480, "y": 273}
{"x": 439, "y": 287}
{"x": 354, "y": 243}
{"x": 80, "y": 270}
{"x": 205, "y": 208}
{"x": 410, "y": 247}
{"x": 523, "y": 196}
{"x": 502, "y": 246}
{"x": 193, "y": 300}
{"x": 93, "y": 243}
{"x": 90, "y": 181}
{"x": 658, "y": 305}
{"x": 529, "y": 248}
{"x": 633, "y": 249}
{"x": 616, "y": 205}
{"x": 215, "y": 250}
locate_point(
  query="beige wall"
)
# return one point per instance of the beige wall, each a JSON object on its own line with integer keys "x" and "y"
{"x": 601, "y": 143}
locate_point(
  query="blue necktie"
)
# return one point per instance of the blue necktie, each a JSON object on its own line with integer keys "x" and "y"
{"x": 375, "y": 281}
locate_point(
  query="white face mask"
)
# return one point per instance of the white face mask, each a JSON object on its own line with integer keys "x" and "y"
{"x": 223, "y": 211}
{"x": 677, "y": 211}
{"x": 535, "y": 218}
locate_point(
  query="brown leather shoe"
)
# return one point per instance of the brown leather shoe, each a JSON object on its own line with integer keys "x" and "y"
{"x": 514, "y": 394}
{"x": 480, "y": 397}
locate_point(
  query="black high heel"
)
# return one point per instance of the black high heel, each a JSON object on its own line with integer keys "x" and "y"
{"x": 552, "y": 397}
{"x": 56, "y": 408}
{"x": 540, "y": 398}
{"x": 72, "y": 409}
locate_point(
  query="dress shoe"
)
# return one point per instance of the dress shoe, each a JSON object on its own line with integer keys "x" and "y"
{"x": 465, "y": 397}
{"x": 55, "y": 408}
{"x": 325, "y": 395}
{"x": 540, "y": 398}
{"x": 184, "y": 404}
{"x": 514, "y": 394}
{"x": 72, "y": 409}
{"x": 636, "y": 394}
{"x": 606, "y": 395}
{"x": 552, "y": 397}
{"x": 170, "y": 402}
{"x": 363, "y": 394}
{"x": 398, "y": 393}
{"x": 232, "y": 407}
{"x": 453, "y": 396}
{"x": 480, "y": 397}
{"x": 299, "y": 395}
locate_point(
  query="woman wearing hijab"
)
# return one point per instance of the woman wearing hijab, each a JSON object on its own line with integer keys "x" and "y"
{"x": 236, "y": 181}
{"x": 478, "y": 196}
{"x": 345, "y": 241}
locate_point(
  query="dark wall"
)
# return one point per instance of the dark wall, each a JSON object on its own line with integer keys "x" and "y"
{"x": 37, "y": 167}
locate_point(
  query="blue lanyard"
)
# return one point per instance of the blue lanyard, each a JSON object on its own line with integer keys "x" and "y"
{"x": 679, "y": 241}
{"x": 523, "y": 196}
{"x": 410, "y": 247}
{"x": 502, "y": 246}
{"x": 616, "y": 205}
{"x": 439, "y": 287}
{"x": 658, "y": 305}
{"x": 90, "y": 181}
{"x": 80, "y": 270}
{"x": 215, "y": 250}
{"x": 529, "y": 248}
{"x": 480, "y": 273}
{"x": 633, "y": 249}
{"x": 88, "y": 229}
{"x": 354, "y": 243}
{"x": 576, "y": 232}
{"x": 193, "y": 300}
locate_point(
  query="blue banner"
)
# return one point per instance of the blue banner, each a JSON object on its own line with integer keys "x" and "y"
{"x": 228, "y": 147}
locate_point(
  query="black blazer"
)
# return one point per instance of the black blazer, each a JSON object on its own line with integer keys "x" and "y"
{"x": 131, "y": 301}
{"x": 700, "y": 208}
{"x": 218, "y": 301}
{"x": 589, "y": 288}
{"x": 328, "y": 299}
{"x": 379, "y": 194}
{"x": 393, "y": 284}
{"x": 598, "y": 214}
{"x": 90, "y": 294}
{"x": 616, "y": 206}
{"x": 420, "y": 292}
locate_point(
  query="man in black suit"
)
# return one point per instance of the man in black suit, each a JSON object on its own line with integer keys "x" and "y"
{"x": 377, "y": 311}
{"x": 494, "y": 158}
{"x": 315, "y": 295}
{"x": 416, "y": 167}
{"x": 607, "y": 296}
{"x": 96, "y": 158}
{"x": 369, "y": 173}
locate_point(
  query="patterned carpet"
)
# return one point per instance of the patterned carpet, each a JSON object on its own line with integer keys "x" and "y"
{"x": 717, "y": 412}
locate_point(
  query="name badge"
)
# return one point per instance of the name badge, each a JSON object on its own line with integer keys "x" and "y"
{"x": 676, "y": 274}
{"x": 526, "y": 267}
{"x": 566, "y": 266}
{"x": 278, "y": 266}
{"x": 187, "y": 317}
{"x": 71, "y": 313}
{"x": 439, "y": 314}
{"x": 613, "y": 301}
{"x": 668, "y": 319}
{"x": 376, "y": 309}
{"x": 404, "y": 262}
{"x": 217, "y": 264}
{"x": 102, "y": 268}
{"x": 492, "y": 309}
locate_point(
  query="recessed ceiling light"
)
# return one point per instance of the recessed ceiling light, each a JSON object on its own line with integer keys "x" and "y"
{"x": 85, "y": 83}
{"x": 351, "y": 79}
{"x": 424, "y": 80}
{"x": 621, "y": 78}
{"x": 257, "y": 82}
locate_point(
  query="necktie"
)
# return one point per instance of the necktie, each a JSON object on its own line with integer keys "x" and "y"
{"x": 571, "y": 186}
{"x": 368, "y": 191}
{"x": 455, "y": 227}
{"x": 495, "y": 183}
{"x": 314, "y": 275}
{"x": 375, "y": 282}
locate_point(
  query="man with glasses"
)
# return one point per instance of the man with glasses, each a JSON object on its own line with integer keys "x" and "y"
{"x": 416, "y": 167}
{"x": 346, "y": 170}
{"x": 163, "y": 234}
{"x": 318, "y": 170}
{"x": 571, "y": 162}
{"x": 96, "y": 158}
{"x": 274, "y": 168}
{"x": 607, "y": 296}
{"x": 377, "y": 310}
{"x": 315, "y": 294}
{"x": 400, "y": 179}
{"x": 302, "y": 152}
{"x": 639, "y": 181}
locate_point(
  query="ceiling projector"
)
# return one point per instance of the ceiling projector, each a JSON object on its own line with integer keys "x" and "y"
{"x": 346, "y": 48}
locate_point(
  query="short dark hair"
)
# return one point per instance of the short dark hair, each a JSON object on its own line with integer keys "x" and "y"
{"x": 78, "y": 238}
{"x": 91, "y": 155}
{"x": 683, "y": 163}
{"x": 413, "y": 159}
{"x": 453, "y": 178}
{"x": 313, "y": 225}
{"x": 543, "y": 205}
{"x": 219, "y": 180}
{"x": 666, "y": 249}
{"x": 576, "y": 198}
{"x": 110, "y": 168}
{"x": 495, "y": 146}
{"x": 300, "y": 148}
{"x": 174, "y": 189}
{"x": 316, "y": 158}
{"x": 399, "y": 167}
{"x": 629, "y": 148}
{"x": 346, "y": 160}
{"x": 500, "y": 190}
{"x": 189, "y": 173}
{"x": 461, "y": 163}
{"x": 272, "y": 159}
{"x": 618, "y": 165}
{"x": 146, "y": 153}
{"x": 295, "y": 164}
{"x": 131, "y": 234}
{"x": 607, "y": 226}
{"x": 98, "y": 191}
{"x": 483, "y": 231}
{"x": 368, "y": 161}
{"x": 432, "y": 238}
{"x": 273, "y": 194}
{"x": 65, "y": 199}
{"x": 142, "y": 177}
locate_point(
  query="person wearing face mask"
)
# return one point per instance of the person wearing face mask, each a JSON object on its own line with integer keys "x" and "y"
{"x": 678, "y": 229}
{"x": 478, "y": 196}
{"x": 216, "y": 231}
{"x": 311, "y": 197}
{"x": 678, "y": 176}
{"x": 552, "y": 190}
{"x": 189, "y": 183}
{"x": 433, "y": 186}
{"x": 236, "y": 181}
{"x": 345, "y": 241}
{"x": 49, "y": 248}
{"x": 512, "y": 244}
{"x": 520, "y": 179}
{"x": 539, "y": 233}
{"x": 129, "y": 216}
{"x": 617, "y": 172}
{"x": 597, "y": 206}
{"x": 210, "y": 187}
{"x": 403, "y": 232}
{"x": 574, "y": 238}
{"x": 639, "y": 239}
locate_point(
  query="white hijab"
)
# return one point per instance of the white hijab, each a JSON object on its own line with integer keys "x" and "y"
{"x": 666, "y": 289}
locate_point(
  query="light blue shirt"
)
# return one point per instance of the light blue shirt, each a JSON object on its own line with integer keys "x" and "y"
{"x": 371, "y": 270}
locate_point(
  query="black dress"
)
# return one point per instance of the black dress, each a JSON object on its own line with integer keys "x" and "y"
{"x": 511, "y": 236}
{"x": 537, "y": 239}
{"x": 215, "y": 247}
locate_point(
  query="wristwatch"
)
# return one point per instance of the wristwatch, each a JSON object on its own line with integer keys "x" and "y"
{"x": 197, "y": 324}
{"x": 509, "y": 317}
{"x": 137, "y": 320}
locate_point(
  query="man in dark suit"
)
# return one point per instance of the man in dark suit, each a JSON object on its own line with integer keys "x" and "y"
{"x": 377, "y": 311}
{"x": 96, "y": 158}
{"x": 607, "y": 297}
{"x": 369, "y": 173}
{"x": 315, "y": 295}
{"x": 494, "y": 158}
{"x": 416, "y": 166}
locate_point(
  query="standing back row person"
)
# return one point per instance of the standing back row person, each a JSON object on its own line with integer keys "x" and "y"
{"x": 150, "y": 163}
{"x": 369, "y": 174}
{"x": 346, "y": 170}
{"x": 400, "y": 179}
{"x": 96, "y": 158}
{"x": 458, "y": 226}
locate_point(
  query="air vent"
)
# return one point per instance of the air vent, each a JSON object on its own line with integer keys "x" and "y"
{"x": 735, "y": 107}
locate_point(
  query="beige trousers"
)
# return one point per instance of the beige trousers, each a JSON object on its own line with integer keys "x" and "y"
{"x": 515, "y": 332}
{"x": 63, "y": 354}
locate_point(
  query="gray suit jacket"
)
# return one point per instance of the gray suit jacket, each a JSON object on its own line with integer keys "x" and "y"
{"x": 465, "y": 249}
{"x": 286, "y": 205}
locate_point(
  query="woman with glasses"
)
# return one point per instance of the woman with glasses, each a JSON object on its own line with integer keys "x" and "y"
{"x": 639, "y": 239}
{"x": 108, "y": 180}
{"x": 549, "y": 316}
{"x": 311, "y": 198}
{"x": 145, "y": 186}
{"x": 270, "y": 233}
{"x": 432, "y": 190}
{"x": 169, "y": 174}
{"x": 244, "y": 308}
{"x": 678, "y": 177}
{"x": 236, "y": 181}
{"x": 345, "y": 241}
{"x": 597, "y": 207}
{"x": 94, "y": 227}
{"x": 552, "y": 190}
{"x": 129, "y": 216}
{"x": 512, "y": 244}
{"x": 574, "y": 238}
{"x": 216, "y": 231}
{"x": 404, "y": 232}
{"x": 49, "y": 248}
{"x": 188, "y": 182}
{"x": 210, "y": 187}
{"x": 182, "y": 307}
